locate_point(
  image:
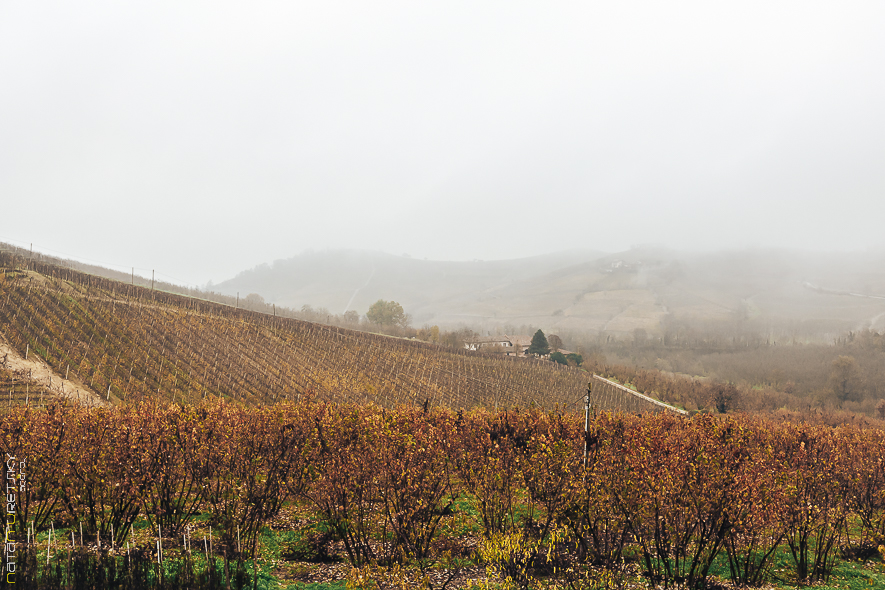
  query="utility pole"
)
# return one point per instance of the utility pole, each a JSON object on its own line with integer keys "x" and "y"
{"x": 153, "y": 272}
{"x": 587, "y": 418}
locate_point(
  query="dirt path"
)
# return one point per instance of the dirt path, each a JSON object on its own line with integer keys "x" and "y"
{"x": 42, "y": 374}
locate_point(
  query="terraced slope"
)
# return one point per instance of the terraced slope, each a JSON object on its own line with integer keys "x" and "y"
{"x": 126, "y": 342}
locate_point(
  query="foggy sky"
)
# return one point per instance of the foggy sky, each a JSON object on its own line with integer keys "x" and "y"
{"x": 203, "y": 138}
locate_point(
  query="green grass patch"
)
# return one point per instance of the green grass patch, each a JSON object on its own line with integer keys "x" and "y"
{"x": 857, "y": 576}
{"x": 317, "y": 586}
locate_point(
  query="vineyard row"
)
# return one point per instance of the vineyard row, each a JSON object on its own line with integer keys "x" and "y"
{"x": 670, "y": 493}
{"x": 127, "y": 343}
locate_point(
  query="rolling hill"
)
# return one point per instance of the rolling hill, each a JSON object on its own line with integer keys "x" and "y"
{"x": 780, "y": 294}
{"x": 123, "y": 342}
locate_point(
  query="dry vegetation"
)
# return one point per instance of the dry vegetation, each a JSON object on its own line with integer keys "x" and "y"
{"x": 402, "y": 493}
{"x": 846, "y": 376}
{"x": 128, "y": 343}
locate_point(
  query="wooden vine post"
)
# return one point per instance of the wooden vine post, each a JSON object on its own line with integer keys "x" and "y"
{"x": 587, "y": 418}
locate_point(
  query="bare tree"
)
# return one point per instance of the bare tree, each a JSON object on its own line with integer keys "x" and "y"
{"x": 843, "y": 378}
{"x": 555, "y": 342}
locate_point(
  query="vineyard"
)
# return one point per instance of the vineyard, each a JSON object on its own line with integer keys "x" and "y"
{"x": 406, "y": 493}
{"x": 18, "y": 387}
{"x": 127, "y": 343}
{"x": 214, "y": 447}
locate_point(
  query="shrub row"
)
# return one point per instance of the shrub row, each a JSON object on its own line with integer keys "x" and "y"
{"x": 672, "y": 494}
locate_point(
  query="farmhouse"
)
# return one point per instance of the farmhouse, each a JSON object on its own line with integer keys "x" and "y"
{"x": 509, "y": 345}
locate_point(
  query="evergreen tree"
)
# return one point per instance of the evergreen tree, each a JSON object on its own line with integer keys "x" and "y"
{"x": 539, "y": 345}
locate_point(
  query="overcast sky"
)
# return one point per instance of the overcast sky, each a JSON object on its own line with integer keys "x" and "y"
{"x": 203, "y": 138}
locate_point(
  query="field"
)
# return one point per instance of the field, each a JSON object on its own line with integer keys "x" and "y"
{"x": 126, "y": 343}
{"x": 190, "y": 496}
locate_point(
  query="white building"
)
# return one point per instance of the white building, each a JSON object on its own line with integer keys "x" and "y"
{"x": 509, "y": 345}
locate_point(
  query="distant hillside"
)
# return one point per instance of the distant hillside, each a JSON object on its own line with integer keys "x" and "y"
{"x": 125, "y": 342}
{"x": 432, "y": 291}
{"x": 782, "y": 293}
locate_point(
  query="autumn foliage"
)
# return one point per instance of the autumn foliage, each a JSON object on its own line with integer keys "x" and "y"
{"x": 672, "y": 494}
